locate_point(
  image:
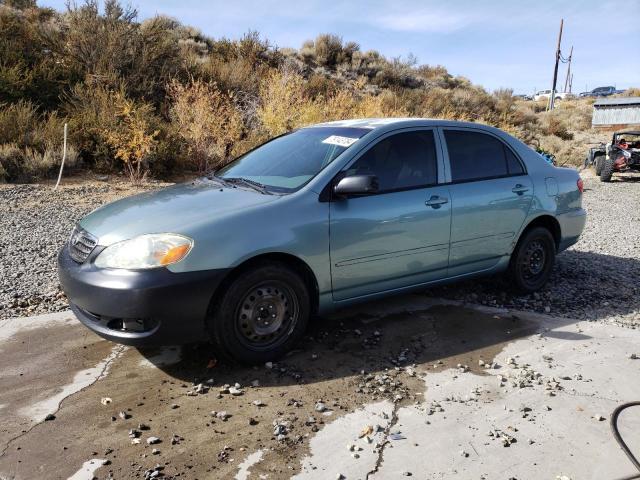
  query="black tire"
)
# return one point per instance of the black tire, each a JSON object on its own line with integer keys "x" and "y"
{"x": 607, "y": 170}
{"x": 532, "y": 260}
{"x": 597, "y": 164}
{"x": 261, "y": 315}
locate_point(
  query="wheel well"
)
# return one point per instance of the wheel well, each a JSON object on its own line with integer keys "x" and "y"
{"x": 291, "y": 261}
{"x": 548, "y": 222}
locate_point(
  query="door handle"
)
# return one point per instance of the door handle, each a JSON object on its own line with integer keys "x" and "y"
{"x": 435, "y": 201}
{"x": 520, "y": 189}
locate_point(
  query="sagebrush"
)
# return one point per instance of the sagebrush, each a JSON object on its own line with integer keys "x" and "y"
{"x": 160, "y": 97}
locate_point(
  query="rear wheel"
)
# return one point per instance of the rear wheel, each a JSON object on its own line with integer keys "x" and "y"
{"x": 532, "y": 260}
{"x": 607, "y": 169}
{"x": 261, "y": 315}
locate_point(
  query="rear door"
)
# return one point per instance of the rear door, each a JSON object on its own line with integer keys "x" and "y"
{"x": 490, "y": 197}
{"x": 399, "y": 236}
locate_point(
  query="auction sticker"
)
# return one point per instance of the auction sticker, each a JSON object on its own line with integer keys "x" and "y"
{"x": 341, "y": 141}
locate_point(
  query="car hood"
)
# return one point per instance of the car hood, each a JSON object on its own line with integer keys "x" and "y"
{"x": 177, "y": 209}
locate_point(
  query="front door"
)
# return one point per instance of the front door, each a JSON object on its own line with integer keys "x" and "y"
{"x": 399, "y": 236}
{"x": 490, "y": 198}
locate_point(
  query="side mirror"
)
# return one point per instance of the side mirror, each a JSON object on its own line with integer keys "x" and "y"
{"x": 356, "y": 185}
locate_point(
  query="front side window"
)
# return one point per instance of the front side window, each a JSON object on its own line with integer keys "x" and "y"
{"x": 286, "y": 163}
{"x": 401, "y": 161}
{"x": 476, "y": 156}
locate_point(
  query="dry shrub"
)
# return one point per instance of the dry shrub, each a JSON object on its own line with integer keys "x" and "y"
{"x": 92, "y": 110}
{"x": 308, "y": 51}
{"x": 631, "y": 92}
{"x": 566, "y": 152}
{"x": 237, "y": 74}
{"x": 10, "y": 161}
{"x": 207, "y": 120}
{"x": 523, "y": 122}
{"x": 284, "y": 105}
{"x": 134, "y": 139}
{"x": 18, "y": 123}
{"x": 453, "y": 104}
{"x": 328, "y": 49}
{"x": 553, "y": 124}
{"x": 576, "y": 114}
{"x": 386, "y": 104}
{"x": 31, "y": 143}
{"x": 320, "y": 86}
{"x": 26, "y": 164}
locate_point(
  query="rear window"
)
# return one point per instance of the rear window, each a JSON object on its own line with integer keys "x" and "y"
{"x": 474, "y": 156}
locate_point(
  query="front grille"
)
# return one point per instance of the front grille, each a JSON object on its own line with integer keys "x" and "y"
{"x": 81, "y": 244}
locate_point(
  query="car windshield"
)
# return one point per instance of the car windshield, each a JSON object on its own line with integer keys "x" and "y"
{"x": 628, "y": 137}
{"x": 286, "y": 163}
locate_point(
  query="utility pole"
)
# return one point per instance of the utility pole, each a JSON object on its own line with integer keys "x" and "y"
{"x": 552, "y": 97}
{"x": 566, "y": 80}
{"x": 571, "y": 83}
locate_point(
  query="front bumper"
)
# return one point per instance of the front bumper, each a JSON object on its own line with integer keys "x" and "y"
{"x": 143, "y": 307}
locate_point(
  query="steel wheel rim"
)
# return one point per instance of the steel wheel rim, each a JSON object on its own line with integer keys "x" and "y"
{"x": 533, "y": 261}
{"x": 266, "y": 315}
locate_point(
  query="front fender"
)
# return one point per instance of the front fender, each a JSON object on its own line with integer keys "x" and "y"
{"x": 297, "y": 224}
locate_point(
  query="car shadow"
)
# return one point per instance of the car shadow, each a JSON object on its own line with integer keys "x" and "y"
{"x": 417, "y": 329}
{"x": 373, "y": 337}
{"x": 583, "y": 285}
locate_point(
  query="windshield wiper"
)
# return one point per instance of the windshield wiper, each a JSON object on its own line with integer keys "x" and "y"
{"x": 251, "y": 183}
{"x": 220, "y": 180}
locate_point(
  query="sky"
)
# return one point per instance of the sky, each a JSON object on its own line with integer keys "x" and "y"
{"x": 494, "y": 43}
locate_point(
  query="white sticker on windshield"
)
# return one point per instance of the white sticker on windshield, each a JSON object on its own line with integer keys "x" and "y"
{"x": 341, "y": 141}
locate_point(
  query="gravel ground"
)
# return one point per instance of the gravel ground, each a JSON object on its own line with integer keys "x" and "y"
{"x": 595, "y": 279}
{"x": 34, "y": 222}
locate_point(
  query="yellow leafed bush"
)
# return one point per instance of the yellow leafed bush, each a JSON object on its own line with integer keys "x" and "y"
{"x": 207, "y": 121}
{"x": 133, "y": 140}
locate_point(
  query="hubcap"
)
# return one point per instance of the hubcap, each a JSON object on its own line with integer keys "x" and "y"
{"x": 533, "y": 260}
{"x": 266, "y": 315}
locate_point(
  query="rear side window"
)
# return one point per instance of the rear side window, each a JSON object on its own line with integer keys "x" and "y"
{"x": 476, "y": 156}
{"x": 513, "y": 164}
{"x": 401, "y": 161}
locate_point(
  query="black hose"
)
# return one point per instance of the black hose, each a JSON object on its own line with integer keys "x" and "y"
{"x": 616, "y": 434}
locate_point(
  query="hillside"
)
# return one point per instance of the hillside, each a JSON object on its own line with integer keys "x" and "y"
{"x": 157, "y": 97}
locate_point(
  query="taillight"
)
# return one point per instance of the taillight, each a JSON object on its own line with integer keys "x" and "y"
{"x": 580, "y": 184}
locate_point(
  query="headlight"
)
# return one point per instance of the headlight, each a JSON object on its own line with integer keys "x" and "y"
{"x": 145, "y": 251}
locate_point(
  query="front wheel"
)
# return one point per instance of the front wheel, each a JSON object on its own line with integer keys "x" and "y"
{"x": 532, "y": 260}
{"x": 607, "y": 170}
{"x": 261, "y": 315}
{"x": 598, "y": 164}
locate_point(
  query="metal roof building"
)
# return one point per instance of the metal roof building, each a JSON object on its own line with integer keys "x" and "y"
{"x": 616, "y": 112}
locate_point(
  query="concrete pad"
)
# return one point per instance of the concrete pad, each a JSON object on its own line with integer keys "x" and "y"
{"x": 53, "y": 364}
{"x": 87, "y": 470}
{"x": 593, "y": 366}
{"x": 244, "y": 469}
{"x": 331, "y": 453}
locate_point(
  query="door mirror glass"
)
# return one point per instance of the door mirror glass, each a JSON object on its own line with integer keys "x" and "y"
{"x": 356, "y": 185}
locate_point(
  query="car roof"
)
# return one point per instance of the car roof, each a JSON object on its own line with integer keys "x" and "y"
{"x": 376, "y": 123}
{"x": 628, "y": 132}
